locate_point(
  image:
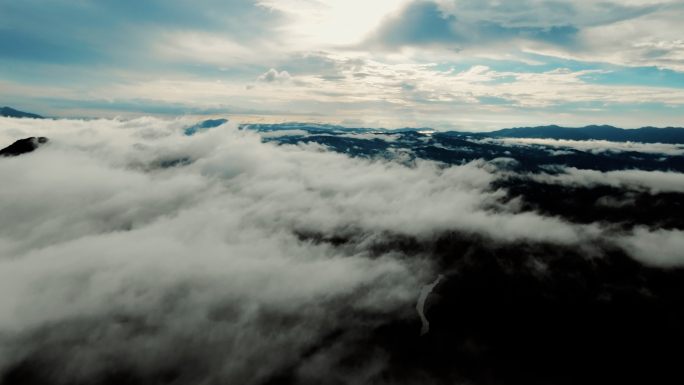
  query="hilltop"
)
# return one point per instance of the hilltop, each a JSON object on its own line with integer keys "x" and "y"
{"x": 12, "y": 113}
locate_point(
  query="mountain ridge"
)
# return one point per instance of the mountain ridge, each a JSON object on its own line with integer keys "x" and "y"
{"x": 9, "y": 112}
{"x": 23, "y": 146}
{"x": 649, "y": 134}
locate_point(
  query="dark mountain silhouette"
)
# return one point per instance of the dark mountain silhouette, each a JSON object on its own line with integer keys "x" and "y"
{"x": 22, "y": 146}
{"x": 12, "y": 113}
{"x": 204, "y": 125}
{"x": 621, "y": 207}
{"x": 672, "y": 135}
{"x": 458, "y": 148}
{"x": 455, "y": 147}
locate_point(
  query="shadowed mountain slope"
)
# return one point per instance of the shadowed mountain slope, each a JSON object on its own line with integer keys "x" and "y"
{"x": 12, "y": 113}
{"x": 23, "y": 146}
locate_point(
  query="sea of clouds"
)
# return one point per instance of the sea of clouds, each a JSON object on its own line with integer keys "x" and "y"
{"x": 129, "y": 249}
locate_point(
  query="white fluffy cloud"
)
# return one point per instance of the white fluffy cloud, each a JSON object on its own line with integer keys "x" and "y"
{"x": 273, "y": 76}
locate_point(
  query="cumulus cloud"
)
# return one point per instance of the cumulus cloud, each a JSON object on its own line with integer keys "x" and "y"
{"x": 129, "y": 249}
{"x": 273, "y": 76}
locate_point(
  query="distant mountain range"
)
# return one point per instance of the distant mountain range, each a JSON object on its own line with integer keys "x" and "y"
{"x": 458, "y": 148}
{"x": 204, "y": 126}
{"x": 672, "y": 135}
{"x": 669, "y": 135}
{"x": 12, "y": 113}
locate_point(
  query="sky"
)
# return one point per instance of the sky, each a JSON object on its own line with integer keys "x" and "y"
{"x": 446, "y": 64}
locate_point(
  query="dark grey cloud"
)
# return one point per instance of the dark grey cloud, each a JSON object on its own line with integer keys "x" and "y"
{"x": 534, "y": 13}
{"x": 424, "y": 23}
{"x": 419, "y": 23}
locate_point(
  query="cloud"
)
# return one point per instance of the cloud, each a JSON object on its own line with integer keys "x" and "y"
{"x": 652, "y": 181}
{"x": 656, "y": 248}
{"x": 424, "y": 23}
{"x": 545, "y": 14}
{"x": 419, "y": 23}
{"x": 626, "y": 34}
{"x": 593, "y": 146}
{"x": 273, "y": 76}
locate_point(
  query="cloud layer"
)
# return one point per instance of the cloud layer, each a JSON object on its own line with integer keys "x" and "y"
{"x": 131, "y": 252}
